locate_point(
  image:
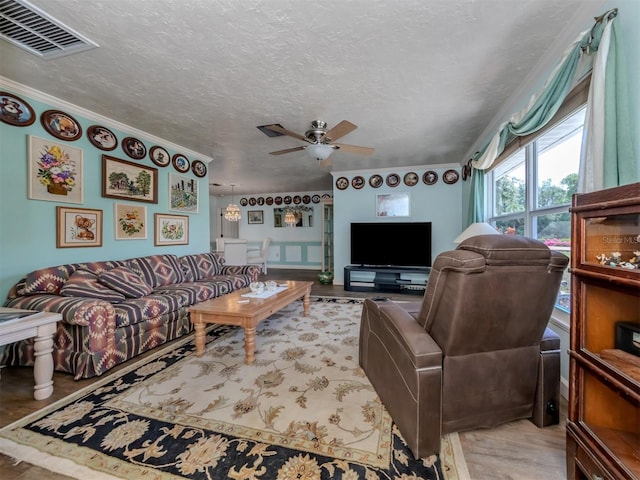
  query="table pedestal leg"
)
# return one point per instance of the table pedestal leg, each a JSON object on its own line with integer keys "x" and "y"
{"x": 200, "y": 337}
{"x": 305, "y": 303}
{"x": 43, "y": 366}
{"x": 249, "y": 345}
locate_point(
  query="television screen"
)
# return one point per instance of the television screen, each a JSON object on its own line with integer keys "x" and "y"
{"x": 401, "y": 244}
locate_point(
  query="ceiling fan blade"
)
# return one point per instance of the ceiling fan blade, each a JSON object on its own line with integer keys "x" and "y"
{"x": 340, "y": 130}
{"x": 354, "y": 149}
{"x": 288, "y": 150}
{"x": 325, "y": 163}
{"x": 284, "y": 131}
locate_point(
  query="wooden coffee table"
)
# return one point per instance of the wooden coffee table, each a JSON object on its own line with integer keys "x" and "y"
{"x": 225, "y": 310}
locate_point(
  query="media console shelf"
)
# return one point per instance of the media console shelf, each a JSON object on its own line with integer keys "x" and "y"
{"x": 359, "y": 278}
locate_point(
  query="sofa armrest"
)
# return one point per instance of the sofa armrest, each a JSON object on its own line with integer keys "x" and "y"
{"x": 75, "y": 310}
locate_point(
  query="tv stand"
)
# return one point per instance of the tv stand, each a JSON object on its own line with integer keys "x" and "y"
{"x": 363, "y": 278}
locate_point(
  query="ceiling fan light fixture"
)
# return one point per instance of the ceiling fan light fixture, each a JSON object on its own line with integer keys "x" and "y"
{"x": 319, "y": 151}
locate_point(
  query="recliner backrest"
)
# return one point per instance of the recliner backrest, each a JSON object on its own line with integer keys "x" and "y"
{"x": 493, "y": 292}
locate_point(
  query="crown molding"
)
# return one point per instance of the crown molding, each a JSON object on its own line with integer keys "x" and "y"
{"x": 18, "y": 88}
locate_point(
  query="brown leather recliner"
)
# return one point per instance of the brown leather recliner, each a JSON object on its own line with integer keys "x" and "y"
{"x": 476, "y": 352}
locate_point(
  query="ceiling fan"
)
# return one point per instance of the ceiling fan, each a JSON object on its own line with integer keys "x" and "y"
{"x": 321, "y": 141}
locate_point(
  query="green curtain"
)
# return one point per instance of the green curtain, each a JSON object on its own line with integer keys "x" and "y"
{"x": 477, "y": 200}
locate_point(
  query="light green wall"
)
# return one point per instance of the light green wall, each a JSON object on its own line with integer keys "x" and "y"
{"x": 28, "y": 227}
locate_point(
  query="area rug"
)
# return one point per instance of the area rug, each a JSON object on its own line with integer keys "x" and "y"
{"x": 303, "y": 410}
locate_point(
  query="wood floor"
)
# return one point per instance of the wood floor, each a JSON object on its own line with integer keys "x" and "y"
{"x": 514, "y": 451}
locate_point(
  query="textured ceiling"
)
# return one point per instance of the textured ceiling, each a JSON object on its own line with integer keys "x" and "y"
{"x": 420, "y": 78}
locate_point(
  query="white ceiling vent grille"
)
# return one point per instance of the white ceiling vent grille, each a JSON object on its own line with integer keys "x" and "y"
{"x": 28, "y": 27}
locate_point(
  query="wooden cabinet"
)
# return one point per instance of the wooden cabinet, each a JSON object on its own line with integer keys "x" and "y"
{"x": 603, "y": 428}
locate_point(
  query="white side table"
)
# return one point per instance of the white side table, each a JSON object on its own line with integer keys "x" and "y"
{"x": 42, "y": 326}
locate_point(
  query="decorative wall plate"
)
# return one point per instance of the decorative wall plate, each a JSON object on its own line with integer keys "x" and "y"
{"x": 269, "y": 200}
{"x": 315, "y": 199}
{"x": 287, "y": 200}
{"x": 180, "y": 163}
{"x": 159, "y": 156}
{"x": 134, "y": 148}
{"x": 326, "y": 195}
{"x": 61, "y": 125}
{"x": 102, "y": 138}
{"x": 410, "y": 179}
{"x": 244, "y": 202}
{"x": 297, "y": 199}
{"x": 357, "y": 182}
{"x": 342, "y": 183}
{"x": 278, "y": 200}
{"x": 376, "y": 181}
{"x": 252, "y": 202}
{"x": 198, "y": 168}
{"x": 260, "y": 201}
{"x": 15, "y": 111}
{"x": 393, "y": 180}
{"x": 306, "y": 199}
{"x": 430, "y": 177}
{"x": 465, "y": 173}
{"x": 450, "y": 177}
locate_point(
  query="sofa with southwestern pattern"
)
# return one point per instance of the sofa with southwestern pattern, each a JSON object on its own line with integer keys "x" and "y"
{"x": 115, "y": 310}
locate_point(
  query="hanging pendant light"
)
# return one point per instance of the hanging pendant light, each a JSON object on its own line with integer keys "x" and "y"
{"x": 232, "y": 212}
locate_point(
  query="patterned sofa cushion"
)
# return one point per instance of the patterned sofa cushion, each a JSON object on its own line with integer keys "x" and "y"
{"x": 83, "y": 283}
{"x": 125, "y": 281}
{"x": 158, "y": 270}
{"x": 193, "y": 292}
{"x": 199, "y": 266}
{"x": 135, "y": 310}
{"x": 46, "y": 280}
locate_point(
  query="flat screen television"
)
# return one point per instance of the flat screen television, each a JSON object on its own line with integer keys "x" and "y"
{"x": 398, "y": 244}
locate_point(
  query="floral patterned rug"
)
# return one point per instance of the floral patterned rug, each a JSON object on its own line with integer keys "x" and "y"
{"x": 303, "y": 410}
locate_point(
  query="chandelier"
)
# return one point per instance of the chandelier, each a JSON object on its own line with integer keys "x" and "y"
{"x": 232, "y": 212}
{"x": 290, "y": 219}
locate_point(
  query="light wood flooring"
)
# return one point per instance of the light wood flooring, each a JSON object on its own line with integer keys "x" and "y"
{"x": 514, "y": 451}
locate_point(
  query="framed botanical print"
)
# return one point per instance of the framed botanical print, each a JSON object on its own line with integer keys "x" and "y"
{"x": 171, "y": 229}
{"x": 15, "y": 111}
{"x": 78, "y": 227}
{"x": 102, "y": 138}
{"x": 183, "y": 194}
{"x": 55, "y": 171}
{"x": 61, "y": 125}
{"x": 130, "y": 221}
{"x": 129, "y": 181}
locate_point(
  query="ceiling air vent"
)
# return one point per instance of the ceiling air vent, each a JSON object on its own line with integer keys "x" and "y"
{"x": 28, "y": 27}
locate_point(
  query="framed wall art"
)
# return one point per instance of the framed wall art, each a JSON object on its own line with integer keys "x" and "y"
{"x": 392, "y": 205}
{"x": 159, "y": 156}
{"x": 55, "y": 171}
{"x": 171, "y": 229}
{"x": 102, "y": 138}
{"x": 134, "y": 148}
{"x": 61, "y": 125}
{"x": 78, "y": 227}
{"x": 15, "y": 111}
{"x": 183, "y": 194}
{"x": 130, "y": 221}
{"x": 255, "y": 217}
{"x": 129, "y": 181}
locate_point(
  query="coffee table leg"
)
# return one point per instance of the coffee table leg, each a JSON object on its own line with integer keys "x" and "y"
{"x": 43, "y": 365}
{"x": 249, "y": 345}
{"x": 305, "y": 303}
{"x": 200, "y": 337}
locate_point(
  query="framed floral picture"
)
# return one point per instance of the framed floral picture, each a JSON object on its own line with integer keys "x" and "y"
{"x": 171, "y": 229}
{"x": 183, "y": 194}
{"x": 61, "y": 125}
{"x": 55, "y": 171}
{"x": 15, "y": 111}
{"x": 130, "y": 221}
{"x": 78, "y": 227}
{"x": 128, "y": 180}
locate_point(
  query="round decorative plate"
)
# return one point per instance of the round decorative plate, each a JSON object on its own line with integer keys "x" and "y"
{"x": 102, "y": 138}
{"x": 450, "y": 177}
{"x": 135, "y": 148}
{"x": 61, "y": 125}
{"x": 393, "y": 180}
{"x": 252, "y": 202}
{"x": 342, "y": 183}
{"x": 269, "y": 200}
{"x": 326, "y": 195}
{"x": 244, "y": 202}
{"x": 278, "y": 200}
{"x": 198, "y": 168}
{"x": 180, "y": 163}
{"x": 315, "y": 199}
{"x": 297, "y": 199}
{"x": 16, "y": 111}
{"x": 357, "y": 182}
{"x": 159, "y": 156}
{"x": 260, "y": 201}
{"x": 287, "y": 200}
{"x": 430, "y": 177}
{"x": 410, "y": 179}
{"x": 376, "y": 181}
{"x": 306, "y": 199}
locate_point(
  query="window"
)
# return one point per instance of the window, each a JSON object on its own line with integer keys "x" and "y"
{"x": 530, "y": 191}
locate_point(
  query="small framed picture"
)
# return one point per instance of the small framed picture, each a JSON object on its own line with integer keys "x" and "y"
{"x": 102, "y": 138}
{"x": 15, "y": 111}
{"x": 134, "y": 148}
{"x": 183, "y": 194}
{"x": 130, "y": 221}
{"x": 255, "y": 217}
{"x": 61, "y": 125}
{"x": 78, "y": 227}
{"x": 128, "y": 180}
{"x": 392, "y": 205}
{"x": 171, "y": 229}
